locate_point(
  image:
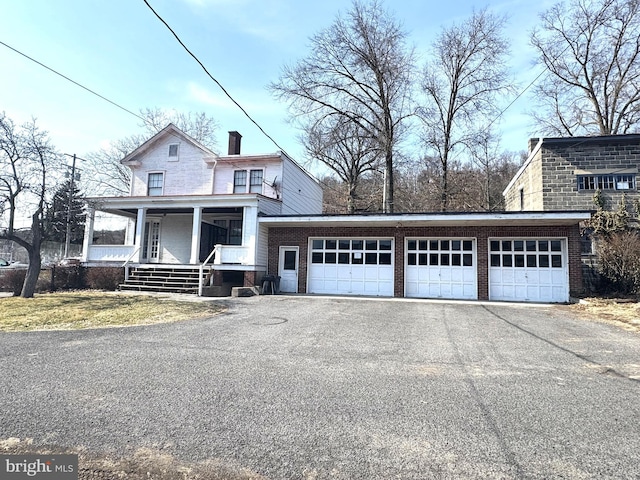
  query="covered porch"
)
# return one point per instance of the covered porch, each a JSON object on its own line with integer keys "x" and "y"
{"x": 179, "y": 230}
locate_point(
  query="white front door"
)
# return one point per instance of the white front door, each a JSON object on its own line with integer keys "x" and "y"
{"x": 151, "y": 242}
{"x": 288, "y": 269}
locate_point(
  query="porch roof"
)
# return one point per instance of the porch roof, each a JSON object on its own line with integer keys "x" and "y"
{"x": 128, "y": 206}
{"x": 431, "y": 219}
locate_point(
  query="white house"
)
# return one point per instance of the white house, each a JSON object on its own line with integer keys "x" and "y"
{"x": 193, "y": 211}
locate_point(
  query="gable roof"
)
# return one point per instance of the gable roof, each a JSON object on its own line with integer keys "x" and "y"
{"x": 169, "y": 130}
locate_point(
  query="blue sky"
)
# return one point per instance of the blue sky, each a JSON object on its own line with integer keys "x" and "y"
{"x": 119, "y": 49}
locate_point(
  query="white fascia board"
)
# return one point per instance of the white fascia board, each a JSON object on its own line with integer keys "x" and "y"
{"x": 524, "y": 166}
{"x": 400, "y": 220}
{"x": 177, "y": 201}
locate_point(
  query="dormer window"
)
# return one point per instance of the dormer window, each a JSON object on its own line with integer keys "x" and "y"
{"x": 155, "y": 184}
{"x": 173, "y": 151}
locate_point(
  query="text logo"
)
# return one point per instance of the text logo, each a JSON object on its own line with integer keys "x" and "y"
{"x": 50, "y": 467}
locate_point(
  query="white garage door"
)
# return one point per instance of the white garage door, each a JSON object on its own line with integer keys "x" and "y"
{"x": 531, "y": 270}
{"x": 351, "y": 266}
{"x": 441, "y": 268}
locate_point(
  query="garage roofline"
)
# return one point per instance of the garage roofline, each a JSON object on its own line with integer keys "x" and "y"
{"x": 431, "y": 219}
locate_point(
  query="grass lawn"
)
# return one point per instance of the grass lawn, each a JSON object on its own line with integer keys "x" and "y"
{"x": 93, "y": 309}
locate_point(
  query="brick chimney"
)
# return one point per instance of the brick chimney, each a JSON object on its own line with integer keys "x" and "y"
{"x": 234, "y": 143}
{"x": 532, "y": 143}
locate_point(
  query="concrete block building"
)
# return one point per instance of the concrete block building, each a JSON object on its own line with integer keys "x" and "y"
{"x": 564, "y": 173}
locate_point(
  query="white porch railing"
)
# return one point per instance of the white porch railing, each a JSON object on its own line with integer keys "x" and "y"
{"x": 125, "y": 265}
{"x": 200, "y": 279}
{"x": 110, "y": 253}
{"x": 231, "y": 254}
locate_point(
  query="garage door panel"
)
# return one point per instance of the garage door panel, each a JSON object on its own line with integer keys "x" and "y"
{"x": 440, "y": 268}
{"x": 364, "y": 266}
{"x": 528, "y": 270}
{"x": 519, "y": 276}
{"x": 468, "y": 276}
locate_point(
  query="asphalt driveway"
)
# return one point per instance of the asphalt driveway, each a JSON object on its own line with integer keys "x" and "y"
{"x": 304, "y": 387}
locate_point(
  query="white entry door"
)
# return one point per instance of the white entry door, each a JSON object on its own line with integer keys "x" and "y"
{"x": 288, "y": 269}
{"x": 151, "y": 242}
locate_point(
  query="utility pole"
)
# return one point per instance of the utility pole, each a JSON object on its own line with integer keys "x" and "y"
{"x": 67, "y": 240}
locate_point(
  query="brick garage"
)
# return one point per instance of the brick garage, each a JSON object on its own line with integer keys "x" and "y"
{"x": 481, "y": 227}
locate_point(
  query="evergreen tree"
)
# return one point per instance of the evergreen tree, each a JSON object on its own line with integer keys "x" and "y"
{"x": 55, "y": 219}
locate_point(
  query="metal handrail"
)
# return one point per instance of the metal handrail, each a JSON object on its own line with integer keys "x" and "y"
{"x": 124, "y": 265}
{"x": 200, "y": 285}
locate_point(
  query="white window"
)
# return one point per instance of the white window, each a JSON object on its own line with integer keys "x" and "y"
{"x": 155, "y": 184}
{"x": 173, "y": 151}
{"x": 240, "y": 181}
{"x": 607, "y": 182}
{"x": 255, "y": 181}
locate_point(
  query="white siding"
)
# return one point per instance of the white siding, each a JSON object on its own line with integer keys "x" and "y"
{"x": 269, "y": 207}
{"x": 262, "y": 250}
{"x": 189, "y": 175}
{"x": 175, "y": 239}
{"x": 300, "y": 193}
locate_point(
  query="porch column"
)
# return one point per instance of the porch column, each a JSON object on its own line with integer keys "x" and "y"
{"x": 250, "y": 232}
{"x": 140, "y": 221}
{"x": 87, "y": 241}
{"x": 195, "y": 235}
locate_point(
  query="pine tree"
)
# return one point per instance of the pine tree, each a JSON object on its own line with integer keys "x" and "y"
{"x": 55, "y": 221}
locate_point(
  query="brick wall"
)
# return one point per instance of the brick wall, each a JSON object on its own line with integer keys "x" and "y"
{"x": 299, "y": 236}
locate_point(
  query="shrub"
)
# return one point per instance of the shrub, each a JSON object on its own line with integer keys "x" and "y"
{"x": 104, "y": 278}
{"x": 619, "y": 263}
{"x": 12, "y": 280}
{"x": 66, "y": 278}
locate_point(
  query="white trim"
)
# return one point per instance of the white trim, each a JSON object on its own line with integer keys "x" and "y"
{"x": 526, "y": 163}
{"x": 176, "y": 157}
{"x": 427, "y": 219}
{"x": 156, "y": 172}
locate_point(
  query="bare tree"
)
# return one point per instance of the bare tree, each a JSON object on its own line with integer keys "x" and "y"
{"x": 461, "y": 82}
{"x": 27, "y": 159}
{"x": 360, "y": 69}
{"x": 109, "y": 177}
{"x": 493, "y": 171}
{"x": 591, "y": 49}
{"x": 345, "y": 149}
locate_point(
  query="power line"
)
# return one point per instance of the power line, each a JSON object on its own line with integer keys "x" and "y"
{"x": 213, "y": 78}
{"x": 74, "y": 82}
{"x": 224, "y": 90}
